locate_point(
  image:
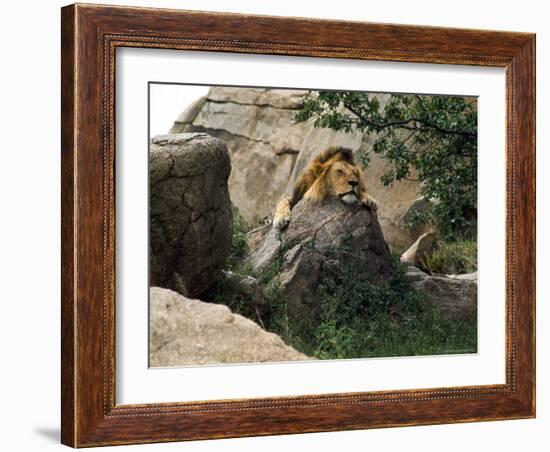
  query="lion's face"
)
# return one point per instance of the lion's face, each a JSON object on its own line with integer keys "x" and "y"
{"x": 343, "y": 180}
{"x": 332, "y": 174}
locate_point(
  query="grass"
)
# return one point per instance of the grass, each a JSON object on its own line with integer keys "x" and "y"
{"x": 425, "y": 333}
{"x": 359, "y": 318}
{"x": 239, "y": 246}
{"x": 349, "y": 316}
{"x": 228, "y": 290}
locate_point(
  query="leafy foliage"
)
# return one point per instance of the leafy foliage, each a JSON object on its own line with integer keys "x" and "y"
{"x": 348, "y": 316}
{"x": 428, "y": 138}
{"x": 453, "y": 257}
{"x": 239, "y": 246}
{"x": 226, "y": 289}
{"x": 362, "y": 319}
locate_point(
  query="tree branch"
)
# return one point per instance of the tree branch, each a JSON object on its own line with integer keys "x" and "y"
{"x": 404, "y": 124}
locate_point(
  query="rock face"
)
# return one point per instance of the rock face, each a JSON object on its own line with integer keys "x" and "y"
{"x": 187, "y": 332}
{"x": 269, "y": 150}
{"x": 190, "y": 211}
{"x": 420, "y": 250}
{"x": 454, "y": 296}
{"x": 316, "y": 237}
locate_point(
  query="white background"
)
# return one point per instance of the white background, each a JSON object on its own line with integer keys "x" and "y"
{"x": 167, "y": 103}
{"x": 138, "y": 384}
{"x": 30, "y": 244}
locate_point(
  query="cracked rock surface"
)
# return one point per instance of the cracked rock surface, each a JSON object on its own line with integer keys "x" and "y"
{"x": 453, "y": 296}
{"x": 190, "y": 211}
{"x": 269, "y": 150}
{"x": 192, "y": 332}
{"x": 317, "y": 238}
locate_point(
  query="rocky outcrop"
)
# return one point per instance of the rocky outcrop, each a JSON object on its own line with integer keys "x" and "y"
{"x": 190, "y": 211}
{"x": 269, "y": 150}
{"x": 319, "y": 237}
{"x": 420, "y": 251}
{"x": 453, "y": 296}
{"x": 186, "y": 332}
{"x": 465, "y": 277}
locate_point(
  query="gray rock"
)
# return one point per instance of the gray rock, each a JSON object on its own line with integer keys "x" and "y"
{"x": 301, "y": 273}
{"x": 415, "y": 229}
{"x": 187, "y": 332}
{"x": 465, "y": 276}
{"x": 420, "y": 251}
{"x": 455, "y": 297}
{"x": 264, "y": 245}
{"x": 190, "y": 112}
{"x": 278, "y": 98}
{"x": 319, "y": 237}
{"x": 269, "y": 150}
{"x": 247, "y": 286}
{"x": 190, "y": 211}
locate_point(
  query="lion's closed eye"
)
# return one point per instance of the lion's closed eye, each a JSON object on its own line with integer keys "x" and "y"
{"x": 329, "y": 174}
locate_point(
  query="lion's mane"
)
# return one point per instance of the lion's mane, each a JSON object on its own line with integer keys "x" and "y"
{"x": 313, "y": 179}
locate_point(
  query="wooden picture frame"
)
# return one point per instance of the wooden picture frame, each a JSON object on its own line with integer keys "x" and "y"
{"x": 90, "y": 36}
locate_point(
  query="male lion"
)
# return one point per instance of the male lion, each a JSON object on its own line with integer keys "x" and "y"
{"x": 332, "y": 174}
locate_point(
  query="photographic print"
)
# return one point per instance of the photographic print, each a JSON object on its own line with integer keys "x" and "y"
{"x": 288, "y": 216}
{"x": 290, "y": 225}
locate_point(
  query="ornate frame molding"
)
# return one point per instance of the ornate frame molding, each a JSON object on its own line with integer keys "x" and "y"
{"x": 90, "y": 37}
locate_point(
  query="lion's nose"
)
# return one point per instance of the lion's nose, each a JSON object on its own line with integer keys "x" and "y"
{"x": 353, "y": 183}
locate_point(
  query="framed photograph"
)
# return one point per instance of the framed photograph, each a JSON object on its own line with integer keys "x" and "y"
{"x": 281, "y": 225}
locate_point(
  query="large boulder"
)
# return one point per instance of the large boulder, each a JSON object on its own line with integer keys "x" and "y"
{"x": 189, "y": 332}
{"x": 420, "y": 251}
{"x": 453, "y": 296}
{"x": 269, "y": 150}
{"x": 318, "y": 239}
{"x": 190, "y": 211}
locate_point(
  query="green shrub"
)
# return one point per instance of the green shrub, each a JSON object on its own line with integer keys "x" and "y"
{"x": 453, "y": 257}
{"x": 226, "y": 289}
{"x": 359, "y": 318}
{"x": 353, "y": 309}
{"x": 239, "y": 246}
{"x": 349, "y": 315}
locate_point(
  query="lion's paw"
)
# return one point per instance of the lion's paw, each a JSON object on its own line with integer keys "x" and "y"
{"x": 370, "y": 202}
{"x": 280, "y": 222}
